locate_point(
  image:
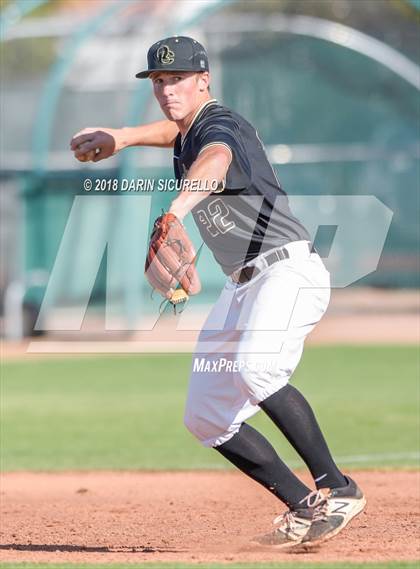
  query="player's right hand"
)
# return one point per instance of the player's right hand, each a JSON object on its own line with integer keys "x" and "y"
{"x": 95, "y": 144}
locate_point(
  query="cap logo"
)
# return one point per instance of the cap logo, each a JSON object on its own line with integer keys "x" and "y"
{"x": 164, "y": 55}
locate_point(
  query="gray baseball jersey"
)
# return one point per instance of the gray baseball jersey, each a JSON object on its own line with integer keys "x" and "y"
{"x": 251, "y": 214}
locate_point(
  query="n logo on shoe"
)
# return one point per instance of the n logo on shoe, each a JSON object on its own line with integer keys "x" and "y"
{"x": 340, "y": 508}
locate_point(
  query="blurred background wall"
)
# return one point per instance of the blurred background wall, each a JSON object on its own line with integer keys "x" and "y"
{"x": 332, "y": 87}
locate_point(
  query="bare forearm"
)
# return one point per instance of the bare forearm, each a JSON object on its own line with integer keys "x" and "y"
{"x": 206, "y": 173}
{"x": 159, "y": 133}
{"x": 95, "y": 144}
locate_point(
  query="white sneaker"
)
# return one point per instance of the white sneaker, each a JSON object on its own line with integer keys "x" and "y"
{"x": 332, "y": 514}
{"x": 293, "y": 526}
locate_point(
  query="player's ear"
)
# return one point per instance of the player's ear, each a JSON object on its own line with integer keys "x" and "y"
{"x": 204, "y": 81}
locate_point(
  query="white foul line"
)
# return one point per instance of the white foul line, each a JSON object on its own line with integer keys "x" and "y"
{"x": 415, "y": 455}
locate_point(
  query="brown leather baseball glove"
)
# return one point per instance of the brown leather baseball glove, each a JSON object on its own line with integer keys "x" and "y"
{"x": 170, "y": 260}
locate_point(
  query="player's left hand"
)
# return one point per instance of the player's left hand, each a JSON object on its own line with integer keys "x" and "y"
{"x": 170, "y": 259}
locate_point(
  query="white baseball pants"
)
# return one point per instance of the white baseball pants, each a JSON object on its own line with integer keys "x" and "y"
{"x": 252, "y": 342}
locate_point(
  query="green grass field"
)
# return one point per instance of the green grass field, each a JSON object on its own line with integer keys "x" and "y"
{"x": 127, "y": 412}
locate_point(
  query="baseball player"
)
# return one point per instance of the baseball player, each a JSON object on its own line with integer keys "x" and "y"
{"x": 276, "y": 291}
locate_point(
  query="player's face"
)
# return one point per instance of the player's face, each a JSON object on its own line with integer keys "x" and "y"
{"x": 179, "y": 93}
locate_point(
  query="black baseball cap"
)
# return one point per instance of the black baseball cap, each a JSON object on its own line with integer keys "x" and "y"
{"x": 177, "y": 53}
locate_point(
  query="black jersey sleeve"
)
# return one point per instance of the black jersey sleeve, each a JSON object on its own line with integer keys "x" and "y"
{"x": 226, "y": 131}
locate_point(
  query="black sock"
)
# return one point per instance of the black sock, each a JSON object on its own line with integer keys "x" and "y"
{"x": 293, "y": 415}
{"x": 254, "y": 455}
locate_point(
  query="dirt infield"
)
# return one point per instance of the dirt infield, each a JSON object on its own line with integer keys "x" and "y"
{"x": 355, "y": 316}
{"x": 188, "y": 517}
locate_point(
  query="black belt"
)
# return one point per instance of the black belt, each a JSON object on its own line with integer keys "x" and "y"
{"x": 248, "y": 273}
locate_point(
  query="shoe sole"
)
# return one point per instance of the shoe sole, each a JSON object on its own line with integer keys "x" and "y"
{"x": 274, "y": 546}
{"x": 337, "y": 530}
